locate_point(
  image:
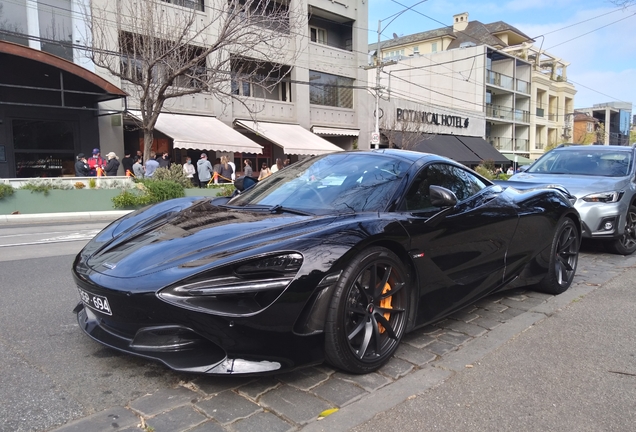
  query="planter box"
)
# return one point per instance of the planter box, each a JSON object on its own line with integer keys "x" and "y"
{"x": 69, "y": 201}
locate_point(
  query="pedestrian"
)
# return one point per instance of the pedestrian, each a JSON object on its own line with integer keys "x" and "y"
{"x": 217, "y": 170}
{"x": 277, "y": 166}
{"x": 140, "y": 155}
{"x": 233, "y": 166}
{"x": 248, "y": 172}
{"x": 138, "y": 168}
{"x": 205, "y": 170}
{"x": 225, "y": 173}
{"x": 96, "y": 163}
{"x": 510, "y": 170}
{"x": 127, "y": 162}
{"x": 265, "y": 172}
{"x": 189, "y": 171}
{"x": 151, "y": 165}
{"x": 113, "y": 164}
{"x": 81, "y": 166}
{"x": 164, "y": 160}
{"x": 286, "y": 163}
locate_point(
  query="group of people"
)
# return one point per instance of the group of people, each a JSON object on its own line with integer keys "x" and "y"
{"x": 223, "y": 170}
{"x": 96, "y": 165}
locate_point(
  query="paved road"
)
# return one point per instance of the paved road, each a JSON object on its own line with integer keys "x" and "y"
{"x": 51, "y": 374}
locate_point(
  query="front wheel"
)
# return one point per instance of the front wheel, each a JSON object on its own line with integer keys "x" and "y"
{"x": 564, "y": 256}
{"x": 368, "y": 314}
{"x": 625, "y": 244}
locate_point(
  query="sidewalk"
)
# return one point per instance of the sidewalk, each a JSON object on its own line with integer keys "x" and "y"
{"x": 573, "y": 372}
{"x": 63, "y": 217}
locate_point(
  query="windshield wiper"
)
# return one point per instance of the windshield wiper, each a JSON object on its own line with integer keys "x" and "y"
{"x": 273, "y": 209}
{"x": 280, "y": 209}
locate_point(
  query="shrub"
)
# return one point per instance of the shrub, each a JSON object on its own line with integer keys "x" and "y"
{"x": 6, "y": 190}
{"x": 44, "y": 186}
{"x": 174, "y": 173}
{"x": 484, "y": 172}
{"x": 92, "y": 183}
{"x": 225, "y": 190}
{"x": 149, "y": 191}
{"x": 79, "y": 185}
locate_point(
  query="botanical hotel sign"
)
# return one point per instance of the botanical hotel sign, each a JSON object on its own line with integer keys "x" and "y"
{"x": 437, "y": 119}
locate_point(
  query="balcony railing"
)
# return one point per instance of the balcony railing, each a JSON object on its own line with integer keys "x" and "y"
{"x": 539, "y": 146}
{"x": 553, "y": 116}
{"x": 500, "y": 80}
{"x": 499, "y": 111}
{"x": 540, "y": 112}
{"x": 521, "y": 144}
{"x": 501, "y": 143}
{"x": 522, "y": 116}
{"x": 523, "y": 86}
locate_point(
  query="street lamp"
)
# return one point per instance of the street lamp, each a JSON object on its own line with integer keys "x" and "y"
{"x": 378, "y": 68}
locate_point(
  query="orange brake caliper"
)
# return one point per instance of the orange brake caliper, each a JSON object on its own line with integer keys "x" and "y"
{"x": 386, "y": 304}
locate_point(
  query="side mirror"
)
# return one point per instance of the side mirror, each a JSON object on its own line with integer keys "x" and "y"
{"x": 442, "y": 197}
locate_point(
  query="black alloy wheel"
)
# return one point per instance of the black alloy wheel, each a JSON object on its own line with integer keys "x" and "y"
{"x": 564, "y": 257}
{"x": 368, "y": 314}
{"x": 625, "y": 244}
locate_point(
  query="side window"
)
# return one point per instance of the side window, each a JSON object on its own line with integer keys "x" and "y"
{"x": 461, "y": 182}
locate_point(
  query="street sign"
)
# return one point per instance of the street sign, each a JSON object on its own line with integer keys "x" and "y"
{"x": 375, "y": 138}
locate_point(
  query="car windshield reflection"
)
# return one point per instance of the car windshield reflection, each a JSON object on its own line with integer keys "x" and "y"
{"x": 584, "y": 162}
{"x": 340, "y": 183}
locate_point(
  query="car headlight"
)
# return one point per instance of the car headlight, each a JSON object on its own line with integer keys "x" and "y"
{"x": 244, "y": 288}
{"x": 604, "y": 197}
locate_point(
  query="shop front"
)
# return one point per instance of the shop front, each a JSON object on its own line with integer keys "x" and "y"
{"x": 49, "y": 112}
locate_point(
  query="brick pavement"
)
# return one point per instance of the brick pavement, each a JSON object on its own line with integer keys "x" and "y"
{"x": 294, "y": 400}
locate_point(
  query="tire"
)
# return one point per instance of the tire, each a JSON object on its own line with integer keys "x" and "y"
{"x": 564, "y": 257}
{"x": 368, "y": 313}
{"x": 626, "y": 244}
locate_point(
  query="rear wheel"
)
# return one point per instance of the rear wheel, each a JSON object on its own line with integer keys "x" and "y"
{"x": 564, "y": 257}
{"x": 368, "y": 314}
{"x": 626, "y": 244}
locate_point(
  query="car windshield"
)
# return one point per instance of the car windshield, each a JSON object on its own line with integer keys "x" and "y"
{"x": 584, "y": 162}
{"x": 337, "y": 182}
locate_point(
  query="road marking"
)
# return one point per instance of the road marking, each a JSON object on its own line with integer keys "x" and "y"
{"x": 71, "y": 237}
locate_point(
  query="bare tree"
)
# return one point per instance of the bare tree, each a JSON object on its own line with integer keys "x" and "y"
{"x": 164, "y": 49}
{"x": 404, "y": 134}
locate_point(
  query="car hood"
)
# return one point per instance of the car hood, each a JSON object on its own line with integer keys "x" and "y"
{"x": 577, "y": 185}
{"x": 198, "y": 236}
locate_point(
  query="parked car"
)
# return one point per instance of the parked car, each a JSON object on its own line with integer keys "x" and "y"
{"x": 333, "y": 258}
{"x": 603, "y": 180}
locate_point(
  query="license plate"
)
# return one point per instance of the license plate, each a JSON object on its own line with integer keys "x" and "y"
{"x": 96, "y": 302}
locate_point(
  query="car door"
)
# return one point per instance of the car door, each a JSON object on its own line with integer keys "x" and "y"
{"x": 461, "y": 256}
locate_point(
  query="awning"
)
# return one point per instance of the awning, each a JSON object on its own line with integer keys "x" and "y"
{"x": 483, "y": 149}
{"x": 329, "y": 131}
{"x": 202, "y": 133}
{"x": 294, "y": 139}
{"x": 522, "y": 160}
{"x": 462, "y": 149}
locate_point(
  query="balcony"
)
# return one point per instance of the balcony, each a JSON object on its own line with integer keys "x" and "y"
{"x": 522, "y": 116}
{"x": 521, "y": 144}
{"x": 523, "y": 86}
{"x": 540, "y": 112}
{"x": 332, "y": 116}
{"x": 499, "y": 112}
{"x": 264, "y": 110}
{"x": 501, "y": 143}
{"x": 539, "y": 146}
{"x": 499, "y": 80}
{"x": 553, "y": 117}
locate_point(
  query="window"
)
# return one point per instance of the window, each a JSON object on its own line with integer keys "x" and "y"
{"x": 260, "y": 80}
{"x": 191, "y": 4}
{"x": 401, "y": 52}
{"x": 267, "y": 14}
{"x": 434, "y": 47}
{"x": 461, "y": 182}
{"x": 416, "y": 50}
{"x": 318, "y": 35}
{"x": 590, "y": 126}
{"x": 330, "y": 90}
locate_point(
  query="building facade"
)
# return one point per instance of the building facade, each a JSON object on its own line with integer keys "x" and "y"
{"x": 522, "y": 92}
{"x": 613, "y": 121}
{"x": 319, "y": 102}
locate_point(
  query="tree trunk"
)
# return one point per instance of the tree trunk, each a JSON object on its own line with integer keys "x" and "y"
{"x": 148, "y": 138}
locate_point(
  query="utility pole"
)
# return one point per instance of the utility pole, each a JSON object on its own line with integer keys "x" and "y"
{"x": 375, "y": 138}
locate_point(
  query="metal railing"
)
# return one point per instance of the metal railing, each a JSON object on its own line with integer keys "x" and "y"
{"x": 499, "y": 111}
{"x": 500, "y": 80}
{"x": 501, "y": 143}
{"x": 521, "y": 144}
{"x": 523, "y": 86}
{"x": 539, "y": 146}
{"x": 522, "y": 116}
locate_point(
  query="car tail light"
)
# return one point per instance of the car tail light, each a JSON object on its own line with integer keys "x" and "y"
{"x": 238, "y": 290}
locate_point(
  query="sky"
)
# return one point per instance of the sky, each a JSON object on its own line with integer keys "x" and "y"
{"x": 596, "y": 37}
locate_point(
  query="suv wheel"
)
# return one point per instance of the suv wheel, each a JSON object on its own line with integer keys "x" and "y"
{"x": 625, "y": 244}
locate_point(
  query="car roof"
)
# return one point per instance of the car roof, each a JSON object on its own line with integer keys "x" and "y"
{"x": 408, "y": 155}
{"x": 592, "y": 147}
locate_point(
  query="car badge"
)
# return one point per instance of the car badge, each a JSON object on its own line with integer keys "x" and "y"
{"x": 109, "y": 265}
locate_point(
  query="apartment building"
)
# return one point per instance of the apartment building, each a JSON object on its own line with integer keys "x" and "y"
{"x": 613, "y": 121}
{"x": 524, "y": 95}
{"x": 314, "y": 108}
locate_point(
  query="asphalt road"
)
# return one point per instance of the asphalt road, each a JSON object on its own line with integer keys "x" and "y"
{"x": 45, "y": 379}
{"x": 555, "y": 376}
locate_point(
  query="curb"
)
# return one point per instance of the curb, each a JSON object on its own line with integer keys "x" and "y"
{"x": 63, "y": 217}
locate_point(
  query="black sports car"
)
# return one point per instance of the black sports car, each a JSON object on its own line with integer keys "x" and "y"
{"x": 333, "y": 258}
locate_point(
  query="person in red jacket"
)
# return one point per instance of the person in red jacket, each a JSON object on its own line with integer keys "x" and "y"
{"x": 96, "y": 162}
